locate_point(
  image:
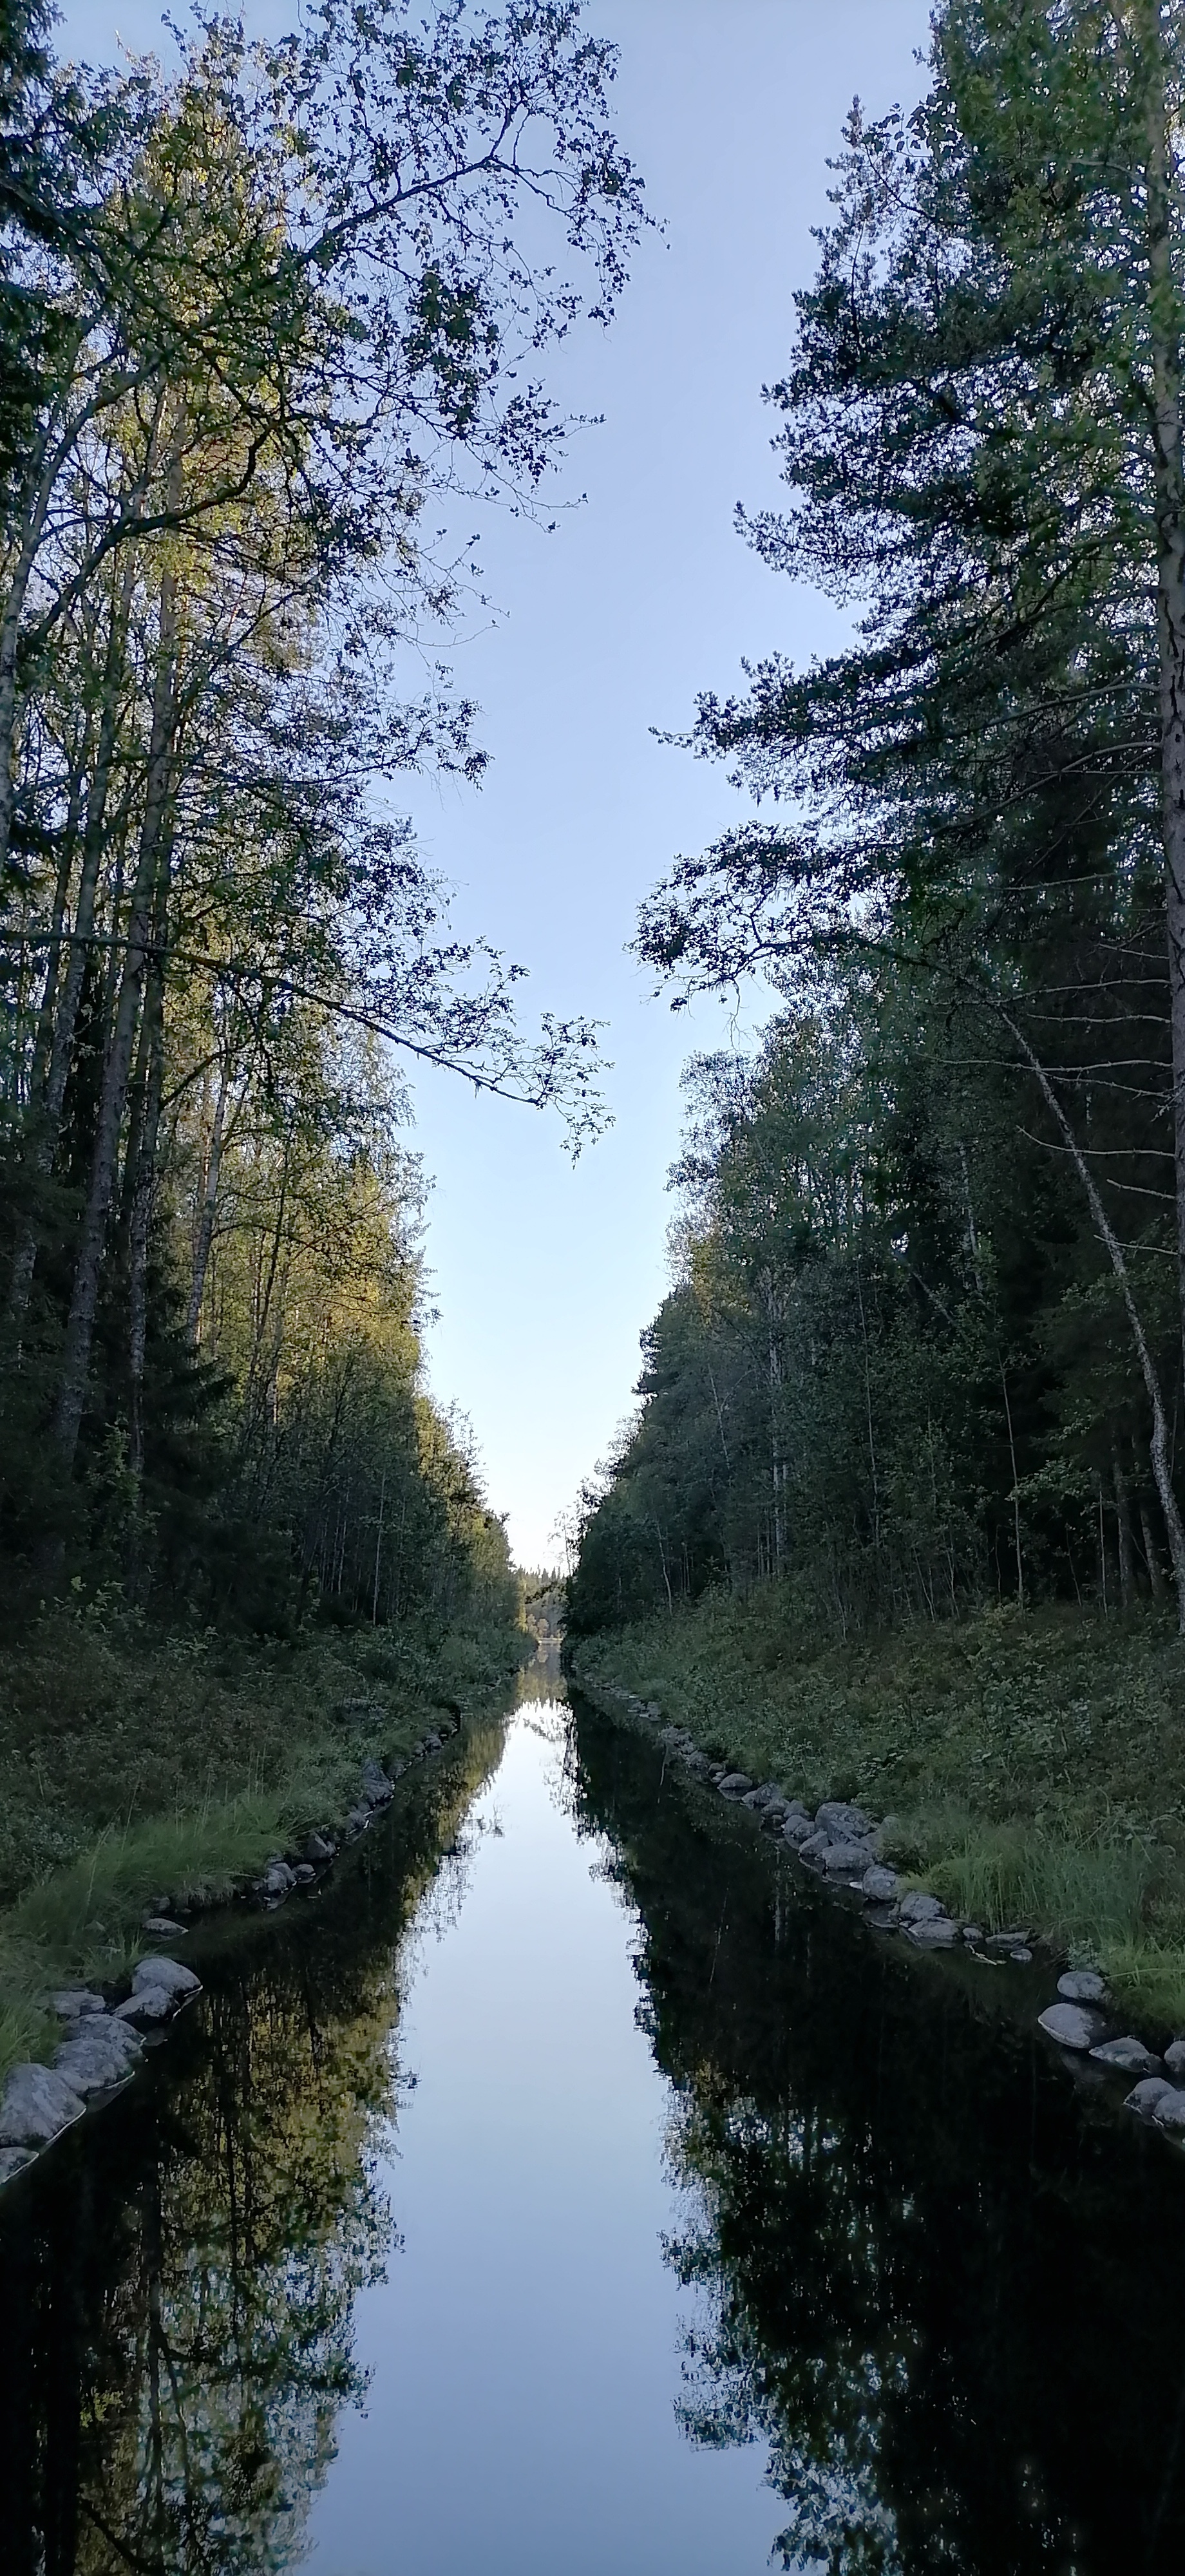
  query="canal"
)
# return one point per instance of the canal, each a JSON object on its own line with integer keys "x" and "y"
{"x": 573, "y": 2185}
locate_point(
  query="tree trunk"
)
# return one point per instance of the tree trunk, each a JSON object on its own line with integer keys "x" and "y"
{"x": 1151, "y": 1553}
{"x": 65, "y": 1015}
{"x": 1164, "y": 316}
{"x": 80, "y": 1325}
{"x": 205, "y": 1227}
{"x": 1159, "y": 1444}
{"x": 143, "y": 1193}
{"x": 1123, "y": 1522}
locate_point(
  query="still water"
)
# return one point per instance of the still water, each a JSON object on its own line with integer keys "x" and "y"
{"x": 573, "y": 2187}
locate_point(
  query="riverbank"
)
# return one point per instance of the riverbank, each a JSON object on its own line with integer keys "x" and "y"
{"x": 137, "y": 1766}
{"x": 1030, "y": 1769}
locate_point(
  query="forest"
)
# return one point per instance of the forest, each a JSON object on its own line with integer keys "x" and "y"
{"x": 269, "y": 321}
{"x": 922, "y": 1350}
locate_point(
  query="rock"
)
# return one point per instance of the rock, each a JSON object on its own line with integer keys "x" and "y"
{"x": 1174, "y": 2057}
{"x": 1169, "y": 2112}
{"x": 168, "y": 1974}
{"x": 162, "y": 1927}
{"x": 879, "y": 1884}
{"x": 103, "y": 2053}
{"x": 376, "y": 1788}
{"x": 1128, "y": 2055}
{"x": 153, "y": 2003}
{"x": 276, "y": 1883}
{"x": 933, "y": 1932}
{"x": 797, "y": 1829}
{"x": 1022, "y": 1955}
{"x": 73, "y": 2002}
{"x": 997, "y": 1941}
{"x": 973, "y": 1935}
{"x": 1144, "y": 2097}
{"x": 766, "y": 1799}
{"x": 734, "y": 1784}
{"x": 320, "y": 1848}
{"x": 1071, "y": 2025}
{"x": 36, "y": 2105}
{"x": 1082, "y": 1986}
{"x": 844, "y": 1824}
{"x": 846, "y": 1860}
{"x": 432, "y": 1743}
{"x": 304, "y": 1873}
{"x": 917, "y": 1907}
{"x": 13, "y": 2161}
{"x": 356, "y": 1822}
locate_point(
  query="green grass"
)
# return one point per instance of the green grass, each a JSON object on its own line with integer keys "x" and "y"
{"x": 1030, "y": 1769}
{"x": 136, "y": 1766}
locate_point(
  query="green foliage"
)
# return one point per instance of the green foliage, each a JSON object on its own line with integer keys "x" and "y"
{"x": 925, "y": 1345}
{"x": 135, "y": 1764}
{"x": 1030, "y": 1769}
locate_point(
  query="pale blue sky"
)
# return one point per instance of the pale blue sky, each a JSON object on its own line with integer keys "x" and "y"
{"x": 545, "y": 1275}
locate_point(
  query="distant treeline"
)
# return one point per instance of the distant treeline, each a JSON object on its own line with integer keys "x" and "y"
{"x": 259, "y": 318}
{"x": 925, "y": 1342}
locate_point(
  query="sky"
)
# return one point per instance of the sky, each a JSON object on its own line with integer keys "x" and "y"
{"x": 542, "y": 1275}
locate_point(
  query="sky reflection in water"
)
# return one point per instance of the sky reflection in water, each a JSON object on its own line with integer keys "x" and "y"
{"x": 662, "y": 2207}
{"x": 524, "y": 2353}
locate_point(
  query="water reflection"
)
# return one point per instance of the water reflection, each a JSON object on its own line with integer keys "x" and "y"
{"x": 927, "y": 2286}
{"x": 179, "y": 2282}
{"x": 948, "y": 2286}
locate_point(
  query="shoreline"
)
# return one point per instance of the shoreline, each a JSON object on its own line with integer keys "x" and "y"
{"x": 846, "y": 1849}
{"x": 101, "y": 2033}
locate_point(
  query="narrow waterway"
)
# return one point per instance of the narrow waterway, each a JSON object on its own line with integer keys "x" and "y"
{"x": 572, "y": 2185}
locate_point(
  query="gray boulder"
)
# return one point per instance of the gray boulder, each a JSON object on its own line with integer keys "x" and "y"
{"x": 1082, "y": 1986}
{"x": 998, "y": 1942}
{"x": 276, "y": 1883}
{"x": 846, "y": 1860}
{"x": 1071, "y": 2025}
{"x": 36, "y": 2105}
{"x": 797, "y": 1829}
{"x": 102, "y": 2054}
{"x": 376, "y": 1788}
{"x": 304, "y": 1873}
{"x": 934, "y": 1932}
{"x": 879, "y": 1884}
{"x": 1022, "y": 1955}
{"x": 734, "y": 1784}
{"x": 1174, "y": 2058}
{"x": 152, "y": 2004}
{"x": 162, "y": 1927}
{"x": 766, "y": 1799}
{"x": 73, "y": 2002}
{"x": 320, "y": 1848}
{"x": 917, "y": 1907}
{"x": 1128, "y": 2055}
{"x": 168, "y": 1975}
{"x": 356, "y": 1823}
{"x": 1169, "y": 2112}
{"x": 13, "y": 2161}
{"x": 1144, "y": 2097}
{"x": 843, "y": 1823}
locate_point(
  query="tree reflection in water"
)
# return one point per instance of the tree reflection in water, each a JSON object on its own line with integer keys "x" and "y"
{"x": 944, "y": 2285}
{"x": 176, "y": 2335}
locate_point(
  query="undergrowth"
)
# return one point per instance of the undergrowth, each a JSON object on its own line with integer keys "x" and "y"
{"x": 1031, "y": 1769}
{"x": 136, "y": 1768}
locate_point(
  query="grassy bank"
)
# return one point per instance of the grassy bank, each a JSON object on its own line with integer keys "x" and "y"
{"x": 135, "y": 1766}
{"x": 1031, "y": 1769}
